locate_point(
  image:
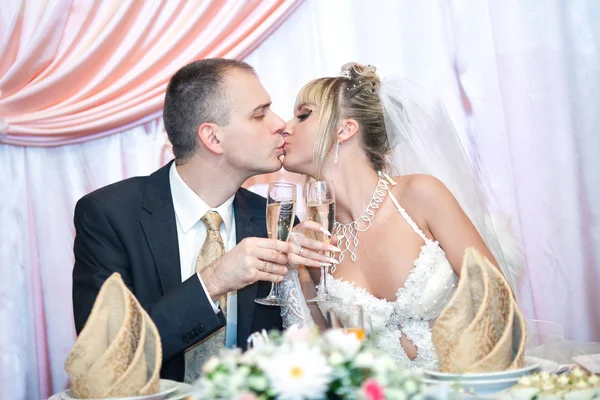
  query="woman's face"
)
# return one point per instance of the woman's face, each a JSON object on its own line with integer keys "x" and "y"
{"x": 301, "y": 140}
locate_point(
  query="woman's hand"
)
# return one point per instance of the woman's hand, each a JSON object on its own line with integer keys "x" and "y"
{"x": 310, "y": 252}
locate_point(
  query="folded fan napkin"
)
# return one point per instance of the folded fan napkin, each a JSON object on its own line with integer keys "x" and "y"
{"x": 118, "y": 353}
{"x": 482, "y": 328}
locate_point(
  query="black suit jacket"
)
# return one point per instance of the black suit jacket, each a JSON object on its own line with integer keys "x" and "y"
{"x": 129, "y": 227}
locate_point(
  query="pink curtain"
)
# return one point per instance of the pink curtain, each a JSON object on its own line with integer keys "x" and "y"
{"x": 72, "y": 71}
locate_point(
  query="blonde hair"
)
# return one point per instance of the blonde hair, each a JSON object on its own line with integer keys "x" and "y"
{"x": 353, "y": 96}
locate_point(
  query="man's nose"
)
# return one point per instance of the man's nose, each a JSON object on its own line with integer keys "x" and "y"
{"x": 279, "y": 124}
{"x": 288, "y": 130}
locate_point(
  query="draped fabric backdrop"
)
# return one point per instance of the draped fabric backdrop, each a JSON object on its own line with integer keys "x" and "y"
{"x": 520, "y": 80}
{"x": 77, "y": 71}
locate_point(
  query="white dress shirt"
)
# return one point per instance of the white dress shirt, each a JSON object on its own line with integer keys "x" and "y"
{"x": 191, "y": 232}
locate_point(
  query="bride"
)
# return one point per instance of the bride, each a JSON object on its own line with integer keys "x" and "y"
{"x": 402, "y": 238}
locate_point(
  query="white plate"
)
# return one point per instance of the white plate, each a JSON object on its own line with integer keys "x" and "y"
{"x": 548, "y": 366}
{"x": 531, "y": 364}
{"x": 480, "y": 387}
{"x": 166, "y": 387}
{"x": 591, "y": 362}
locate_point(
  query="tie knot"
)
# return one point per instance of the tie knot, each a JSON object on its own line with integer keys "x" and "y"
{"x": 212, "y": 220}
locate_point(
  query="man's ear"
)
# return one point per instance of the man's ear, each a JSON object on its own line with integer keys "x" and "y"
{"x": 208, "y": 133}
{"x": 348, "y": 128}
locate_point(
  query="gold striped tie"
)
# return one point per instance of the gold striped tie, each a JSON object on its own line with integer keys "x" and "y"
{"x": 212, "y": 248}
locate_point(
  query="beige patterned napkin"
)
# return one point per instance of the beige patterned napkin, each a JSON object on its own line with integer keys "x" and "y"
{"x": 482, "y": 328}
{"x": 118, "y": 353}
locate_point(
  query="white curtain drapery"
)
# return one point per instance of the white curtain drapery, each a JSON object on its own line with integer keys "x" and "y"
{"x": 520, "y": 80}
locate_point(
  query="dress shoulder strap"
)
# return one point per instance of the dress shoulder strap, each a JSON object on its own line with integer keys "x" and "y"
{"x": 404, "y": 214}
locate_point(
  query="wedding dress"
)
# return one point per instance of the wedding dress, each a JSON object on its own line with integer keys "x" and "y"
{"x": 418, "y": 303}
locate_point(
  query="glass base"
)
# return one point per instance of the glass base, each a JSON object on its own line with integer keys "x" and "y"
{"x": 271, "y": 301}
{"x": 324, "y": 299}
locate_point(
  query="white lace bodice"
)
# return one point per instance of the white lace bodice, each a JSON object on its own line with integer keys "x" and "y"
{"x": 428, "y": 288}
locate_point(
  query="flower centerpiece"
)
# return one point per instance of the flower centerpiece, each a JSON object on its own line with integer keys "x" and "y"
{"x": 575, "y": 385}
{"x": 302, "y": 364}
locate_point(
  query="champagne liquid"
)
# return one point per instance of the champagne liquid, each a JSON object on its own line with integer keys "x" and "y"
{"x": 358, "y": 332}
{"x": 280, "y": 219}
{"x": 324, "y": 214}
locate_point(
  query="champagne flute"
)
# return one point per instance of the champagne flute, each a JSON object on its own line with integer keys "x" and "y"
{"x": 332, "y": 316}
{"x": 320, "y": 207}
{"x": 281, "y": 211}
{"x": 354, "y": 321}
{"x": 349, "y": 318}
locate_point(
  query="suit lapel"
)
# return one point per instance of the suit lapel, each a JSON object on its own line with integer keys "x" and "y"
{"x": 248, "y": 223}
{"x": 160, "y": 228}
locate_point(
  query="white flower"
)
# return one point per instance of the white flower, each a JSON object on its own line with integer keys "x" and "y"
{"x": 563, "y": 380}
{"x": 581, "y": 385}
{"x": 258, "y": 383}
{"x": 548, "y": 387}
{"x": 298, "y": 372}
{"x": 410, "y": 386}
{"x": 210, "y": 365}
{"x": 525, "y": 381}
{"x": 249, "y": 357}
{"x": 364, "y": 360}
{"x": 295, "y": 334}
{"x": 545, "y": 376}
{"x": 335, "y": 358}
{"x": 239, "y": 377}
{"x": 220, "y": 379}
{"x": 229, "y": 357}
{"x": 383, "y": 364}
{"x": 347, "y": 344}
{"x": 578, "y": 373}
{"x": 395, "y": 394}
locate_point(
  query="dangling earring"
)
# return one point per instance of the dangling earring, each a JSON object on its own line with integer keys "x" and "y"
{"x": 337, "y": 152}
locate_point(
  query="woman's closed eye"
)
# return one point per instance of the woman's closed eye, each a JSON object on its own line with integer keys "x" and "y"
{"x": 303, "y": 117}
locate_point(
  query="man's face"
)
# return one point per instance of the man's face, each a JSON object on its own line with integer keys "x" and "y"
{"x": 252, "y": 142}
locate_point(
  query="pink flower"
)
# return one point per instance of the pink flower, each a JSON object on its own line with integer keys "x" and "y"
{"x": 246, "y": 396}
{"x": 372, "y": 390}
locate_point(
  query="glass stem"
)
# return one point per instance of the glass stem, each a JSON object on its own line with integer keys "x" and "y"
{"x": 324, "y": 282}
{"x": 274, "y": 290}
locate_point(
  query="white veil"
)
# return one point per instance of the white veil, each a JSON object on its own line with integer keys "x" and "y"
{"x": 423, "y": 140}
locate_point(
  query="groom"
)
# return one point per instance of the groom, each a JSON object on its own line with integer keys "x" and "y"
{"x": 187, "y": 240}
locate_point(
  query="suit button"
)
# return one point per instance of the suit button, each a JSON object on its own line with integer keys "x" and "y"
{"x": 184, "y": 339}
{"x": 195, "y": 332}
{"x": 200, "y": 328}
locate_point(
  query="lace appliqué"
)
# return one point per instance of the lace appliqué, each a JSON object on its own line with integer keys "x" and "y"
{"x": 297, "y": 312}
{"x": 428, "y": 287}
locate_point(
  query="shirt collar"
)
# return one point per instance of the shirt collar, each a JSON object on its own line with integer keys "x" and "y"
{"x": 189, "y": 207}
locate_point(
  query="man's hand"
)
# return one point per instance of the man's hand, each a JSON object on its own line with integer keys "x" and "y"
{"x": 253, "y": 259}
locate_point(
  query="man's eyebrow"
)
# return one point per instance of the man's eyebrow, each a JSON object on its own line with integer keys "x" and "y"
{"x": 261, "y": 107}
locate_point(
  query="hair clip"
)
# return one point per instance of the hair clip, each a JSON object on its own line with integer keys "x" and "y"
{"x": 345, "y": 74}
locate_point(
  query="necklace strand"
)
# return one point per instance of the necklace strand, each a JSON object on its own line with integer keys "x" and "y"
{"x": 348, "y": 233}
